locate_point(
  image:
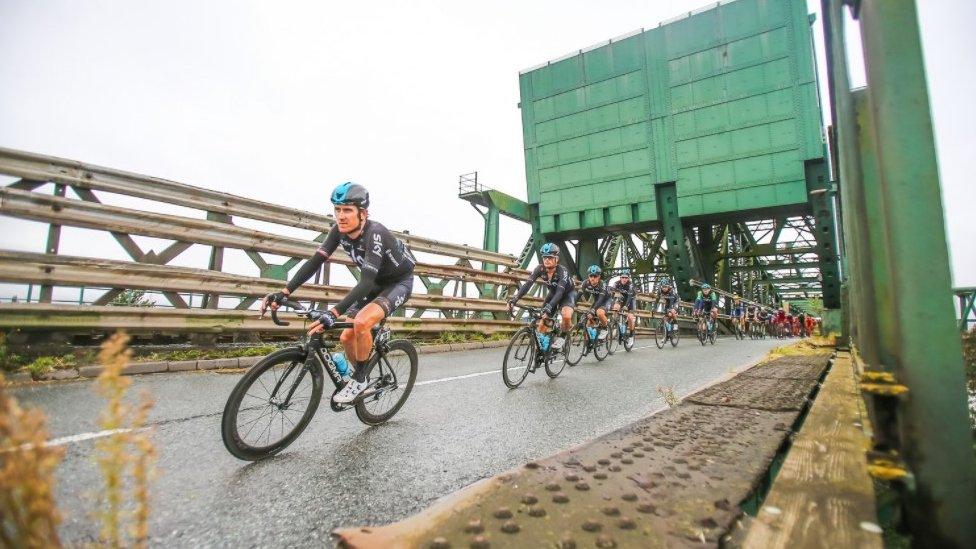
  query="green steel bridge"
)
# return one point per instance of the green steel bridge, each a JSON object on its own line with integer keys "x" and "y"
{"x": 698, "y": 149}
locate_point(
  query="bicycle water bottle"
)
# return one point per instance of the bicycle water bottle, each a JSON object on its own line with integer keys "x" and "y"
{"x": 592, "y": 332}
{"x": 342, "y": 365}
{"x": 544, "y": 341}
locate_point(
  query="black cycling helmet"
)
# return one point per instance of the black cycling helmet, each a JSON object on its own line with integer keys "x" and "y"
{"x": 352, "y": 194}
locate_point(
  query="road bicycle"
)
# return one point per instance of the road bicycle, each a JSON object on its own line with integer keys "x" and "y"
{"x": 526, "y": 352}
{"x": 275, "y": 400}
{"x": 666, "y": 331}
{"x": 584, "y": 339}
{"x": 737, "y": 330}
{"x": 705, "y": 329}
{"x": 619, "y": 334}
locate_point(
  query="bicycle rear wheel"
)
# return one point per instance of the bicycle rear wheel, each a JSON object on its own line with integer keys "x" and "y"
{"x": 271, "y": 405}
{"x": 555, "y": 364}
{"x": 674, "y": 335}
{"x": 394, "y": 371}
{"x": 519, "y": 357}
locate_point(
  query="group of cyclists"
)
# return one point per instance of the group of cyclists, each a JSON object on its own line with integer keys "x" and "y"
{"x": 386, "y": 282}
{"x": 620, "y": 296}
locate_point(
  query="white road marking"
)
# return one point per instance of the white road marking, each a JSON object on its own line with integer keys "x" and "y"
{"x": 101, "y": 434}
{"x": 477, "y": 374}
{"x": 75, "y": 438}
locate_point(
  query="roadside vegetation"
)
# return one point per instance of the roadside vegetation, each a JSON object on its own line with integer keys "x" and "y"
{"x": 29, "y": 516}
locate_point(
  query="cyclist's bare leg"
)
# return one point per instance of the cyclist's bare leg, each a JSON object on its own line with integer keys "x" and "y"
{"x": 567, "y": 314}
{"x": 601, "y": 313}
{"x": 631, "y": 320}
{"x": 358, "y": 340}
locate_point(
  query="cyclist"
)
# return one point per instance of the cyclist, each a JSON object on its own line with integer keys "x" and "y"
{"x": 707, "y": 301}
{"x": 628, "y": 303}
{"x": 780, "y": 321}
{"x": 385, "y": 282}
{"x": 595, "y": 287}
{"x": 801, "y": 321}
{"x": 738, "y": 313}
{"x": 752, "y": 315}
{"x": 562, "y": 293}
{"x": 669, "y": 294}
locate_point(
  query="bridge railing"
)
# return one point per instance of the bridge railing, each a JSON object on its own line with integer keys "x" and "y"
{"x": 215, "y": 228}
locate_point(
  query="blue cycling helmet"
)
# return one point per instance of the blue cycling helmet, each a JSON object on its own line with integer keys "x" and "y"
{"x": 706, "y": 286}
{"x": 625, "y": 272}
{"x": 594, "y": 270}
{"x": 351, "y": 194}
{"x": 549, "y": 250}
{"x": 665, "y": 281}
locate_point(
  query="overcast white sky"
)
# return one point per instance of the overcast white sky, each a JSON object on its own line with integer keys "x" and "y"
{"x": 280, "y": 101}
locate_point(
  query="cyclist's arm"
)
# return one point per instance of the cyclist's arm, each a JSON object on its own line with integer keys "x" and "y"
{"x": 524, "y": 289}
{"x": 313, "y": 264}
{"x": 375, "y": 248}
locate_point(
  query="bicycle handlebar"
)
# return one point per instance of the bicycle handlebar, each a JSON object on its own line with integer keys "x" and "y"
{"x": 311, "y": 314}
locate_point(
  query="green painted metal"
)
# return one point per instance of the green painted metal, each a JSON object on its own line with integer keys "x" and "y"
{"x": 678, "y": 255}
{"x": 898, "y": 268}
{"x": 967, "y": 307}
{"x": 723, "y": 102}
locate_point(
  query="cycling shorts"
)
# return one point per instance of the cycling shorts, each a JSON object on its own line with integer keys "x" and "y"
{"x": 389, "y": 297}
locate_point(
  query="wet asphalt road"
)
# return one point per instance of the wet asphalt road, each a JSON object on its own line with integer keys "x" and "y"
{"x": 461, "y": 424}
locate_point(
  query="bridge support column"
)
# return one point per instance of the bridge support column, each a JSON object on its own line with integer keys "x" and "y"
{"x": 679, "y": 257}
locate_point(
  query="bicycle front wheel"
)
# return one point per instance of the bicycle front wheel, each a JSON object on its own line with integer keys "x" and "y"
{"x": 518, "y": 357}
{"x": 613, "y": 337}
{"x": 661, "y": 334}
{"x": 600, "y": 350}
{"x": 271, "y": 405}
{"x": 394, "y": 371}
{"x": 575, "y": 346}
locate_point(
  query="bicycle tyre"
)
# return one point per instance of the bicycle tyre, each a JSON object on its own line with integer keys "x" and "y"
{"x": 575, "y": 346}
{"x": 661, "y": 334}
{"x": 600, "y": 350}
{"x": 613, "y": 337}
{"x": 675, "y": 335}
{"x": 523, "y": 336}
{"x": 230, "y": 434}
{"x": 362, "y": 411}
{"x": 554, "y": 366}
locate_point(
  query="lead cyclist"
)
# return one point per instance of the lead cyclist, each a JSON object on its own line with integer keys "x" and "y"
{"x": 385, "y": 281}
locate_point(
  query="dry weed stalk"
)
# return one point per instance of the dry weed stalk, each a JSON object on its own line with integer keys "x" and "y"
{"x": 28, "y": 515}
{"x": 129, "y": 446}
{"x": 670, "y": 398}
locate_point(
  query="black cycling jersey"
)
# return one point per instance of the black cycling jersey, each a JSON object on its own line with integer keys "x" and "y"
{"x": 559, "y": 285}
{"x": 383, "y": 261}
{"x": 628, "y": 291}
{"x": 599, "y": 292}
{"x": 671, "y": 298}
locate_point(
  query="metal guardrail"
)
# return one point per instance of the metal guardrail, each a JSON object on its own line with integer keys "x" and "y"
{"x": 39, "y": 168}
{"x": 179, "y": 321}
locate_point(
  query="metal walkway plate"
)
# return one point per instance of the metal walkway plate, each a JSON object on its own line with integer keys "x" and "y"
{"x": 672, "y": 479}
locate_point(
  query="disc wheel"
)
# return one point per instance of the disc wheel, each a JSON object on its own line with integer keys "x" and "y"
{"x": 394, "y": 373}
{"x": 519, "y": 357}
{"x": 271, "y": 405}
